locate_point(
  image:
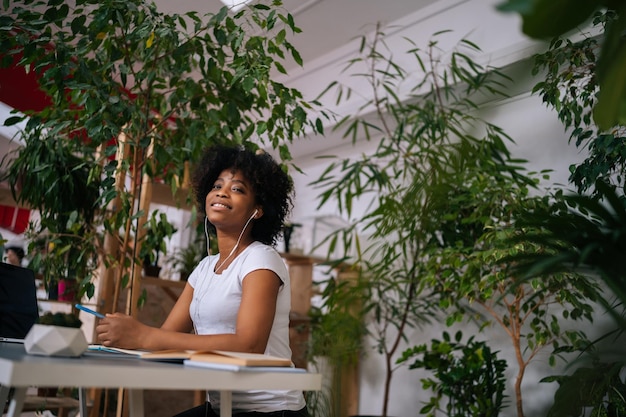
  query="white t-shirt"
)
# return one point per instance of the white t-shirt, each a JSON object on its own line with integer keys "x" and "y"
{"x": 214, "y": 310}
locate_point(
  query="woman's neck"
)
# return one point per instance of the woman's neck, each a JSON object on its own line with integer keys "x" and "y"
{"x": 229, "y": 249}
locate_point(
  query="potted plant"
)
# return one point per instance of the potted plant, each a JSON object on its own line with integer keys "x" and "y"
{"x": 157, "y": 231}
{"x": 437, "y": 187}
{"x": 468, "y": 379}
{"x": 184, "y": 260}
{"x": 420, "y": 142}
{"x": 584, "y": 232}
{"x": 133, "y": 100}
{"x": 337, "y": 338}
{"x": 57, "y": 334}
{"x": 64, "y": 242}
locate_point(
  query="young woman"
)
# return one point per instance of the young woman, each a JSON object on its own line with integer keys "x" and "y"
{"x": 239, "y": 299}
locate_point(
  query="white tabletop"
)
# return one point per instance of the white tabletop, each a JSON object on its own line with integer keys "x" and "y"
{"x": 19, "y": 369}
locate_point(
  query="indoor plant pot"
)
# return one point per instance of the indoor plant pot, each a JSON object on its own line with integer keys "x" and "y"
{"x": 158, "y": 230}
{"x": 56, "y": 335}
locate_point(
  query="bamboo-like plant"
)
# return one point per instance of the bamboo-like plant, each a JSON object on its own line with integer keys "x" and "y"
{"x": 136, "y": 96}
{"x": 424, "y": 139}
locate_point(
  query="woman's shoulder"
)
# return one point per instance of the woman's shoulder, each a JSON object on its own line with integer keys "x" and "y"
{"x": 261, "y": 249}
{"x": 257, "y": 246}
{"x": 260, "y": 253}
{"x": 206, "y": 261}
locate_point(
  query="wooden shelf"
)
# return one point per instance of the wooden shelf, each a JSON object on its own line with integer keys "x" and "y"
{"x": 167, "y": 285}
{"x": 161, "y": 282}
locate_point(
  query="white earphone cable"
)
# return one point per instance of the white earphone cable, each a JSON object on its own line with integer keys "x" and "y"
{"x": 217, "y": 267}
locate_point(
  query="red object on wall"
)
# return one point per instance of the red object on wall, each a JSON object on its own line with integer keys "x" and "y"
{"x": 14, "y": 219}
{"x": 20, "y": 89}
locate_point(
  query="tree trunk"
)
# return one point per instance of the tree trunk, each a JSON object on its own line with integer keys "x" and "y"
{"x": 519, "y": 379}
{"x": 388, "y": 374}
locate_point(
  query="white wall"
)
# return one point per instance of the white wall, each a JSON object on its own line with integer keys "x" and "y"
{"x": 539, "y": 137}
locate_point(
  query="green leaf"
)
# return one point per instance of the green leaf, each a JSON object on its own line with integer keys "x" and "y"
{"x": 280, "y": 37}
{"x": 519, "y": 6}
{"x": 248, "y": 84}
{"x": 610, "y": 109}
{"x": 78, "y": 24}
{"x": 13, "y": 120}
{"x": 544, "y": 19}
{"x": 280, "y": 68}
{"x": 296, "y": 56}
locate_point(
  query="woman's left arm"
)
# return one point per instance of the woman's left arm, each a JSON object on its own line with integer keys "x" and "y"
{"x": 256, "y": 312}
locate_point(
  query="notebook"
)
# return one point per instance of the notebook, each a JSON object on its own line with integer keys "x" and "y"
{"x": 18, "y": 301}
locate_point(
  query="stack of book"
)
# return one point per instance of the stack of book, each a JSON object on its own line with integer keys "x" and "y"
{"x": 213, "y": 359}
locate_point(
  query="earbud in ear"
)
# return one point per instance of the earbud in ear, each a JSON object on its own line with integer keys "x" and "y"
{"x": 253, "y": 215}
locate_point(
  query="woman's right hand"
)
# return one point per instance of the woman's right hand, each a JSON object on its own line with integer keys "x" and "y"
{"x": 121, "y": 330}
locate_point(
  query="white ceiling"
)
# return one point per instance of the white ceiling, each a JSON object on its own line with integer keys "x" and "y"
{"x": 326, "y": 24}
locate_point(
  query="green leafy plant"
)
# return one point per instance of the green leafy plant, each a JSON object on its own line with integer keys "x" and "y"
{"x": 570, "y": 87}
{"x": 582, "y": 233}
{"x": 136, "y": 95}
{"x": 59, "y": 319}
{"x": 546, "y": 19}
{"x": 475, "y": 278}
{"x": 337, "y": 333}
{"x": 185, "y": 259}
{"x": 422, "y": 141}
{"x": 468, "y": 375}
{"x": 595, "y": 390}
{"x": 67, "y": 210}
{"x": 158, "y": 230}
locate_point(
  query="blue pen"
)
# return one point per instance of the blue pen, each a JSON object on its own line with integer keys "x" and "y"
{"x": 90, "y": 311}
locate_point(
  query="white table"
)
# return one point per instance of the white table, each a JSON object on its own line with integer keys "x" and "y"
{"x": 20, "y": 370}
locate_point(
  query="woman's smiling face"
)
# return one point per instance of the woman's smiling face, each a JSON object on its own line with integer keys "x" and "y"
{"x": 231, "y": 199}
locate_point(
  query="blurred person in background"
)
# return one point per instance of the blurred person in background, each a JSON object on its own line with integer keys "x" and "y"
{"x": 14, "y": 254}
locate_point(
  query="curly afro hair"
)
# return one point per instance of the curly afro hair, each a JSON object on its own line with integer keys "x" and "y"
{"x": 272, "y": 187}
